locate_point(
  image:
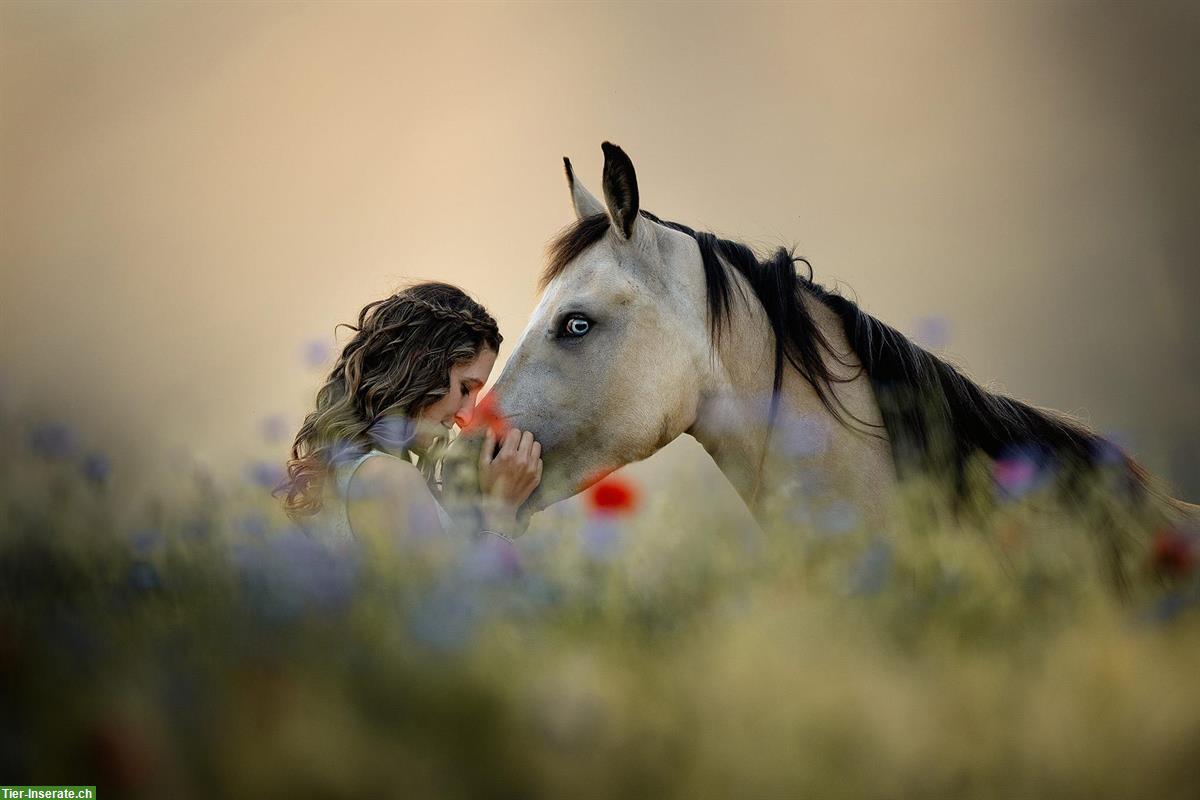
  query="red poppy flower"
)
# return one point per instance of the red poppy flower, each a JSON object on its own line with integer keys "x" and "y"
{"x": 122, "y": 754}
{"x": 487, "y": 416}
{"x": 612, "y": 496}
{"x": 1172, "y": 553}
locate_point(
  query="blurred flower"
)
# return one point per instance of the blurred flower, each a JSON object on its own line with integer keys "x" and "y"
{"x": 96, "y": 468}
{"x": 1016, "y": 476}
{"x": 392, "y": 431}
{"x": 932, "y": 332}
{"x": 265, "y": 474}
{"x": 601, "y": 536}
{"x": 252, "y": 525}
{"x": 537, "y": 591}
{"x": 310, "y": 573}
{"x": 871, "y": 572}
{"x": 804, "y": 435}
{"x": 838, "y": 517}
{"x": 53, "y": 440}
{"x": 811, "y": 482}
{"x": 487, "y": 416}
{"x": 143, "y": 576}
{"x": 197, "y": 529}
{"x": 144, "y": 541}
{"x": 1172, "y": 604}
{"x": 343, "y": 451}
{"x": 247, "y": 559}
{"x": 798, "y": 513}
{"x": 289, "y": 574}
{"x": 612, "y": 495}
{"x": 1107, "y": 453}
{"x": 316, "y": 352}
{"x": 491, "y": 558}
{"x": 1172, "y": 553}
{"x": 123, "y": 758}
{"x": 273, "y": 428}
{"x": 1019, "y": 471}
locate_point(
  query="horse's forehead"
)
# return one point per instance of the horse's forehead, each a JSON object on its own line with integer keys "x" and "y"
{"x": 603, "y": 272}
{"x": 595, "y": 272}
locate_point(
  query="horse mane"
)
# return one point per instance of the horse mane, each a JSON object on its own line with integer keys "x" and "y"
{"x": 936, "y": 418}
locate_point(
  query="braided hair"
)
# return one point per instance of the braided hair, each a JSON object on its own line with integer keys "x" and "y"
{"x": 396, "y": 364}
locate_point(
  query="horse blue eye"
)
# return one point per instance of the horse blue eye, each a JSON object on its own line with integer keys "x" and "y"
{"x": 576, "y": 326}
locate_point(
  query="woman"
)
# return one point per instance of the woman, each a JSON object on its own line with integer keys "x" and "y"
{"x": 413, "y": 369}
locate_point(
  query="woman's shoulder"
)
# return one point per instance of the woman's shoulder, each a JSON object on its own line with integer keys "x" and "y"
{"x": 382, "y": 473}
{"x": 385, "y": 492}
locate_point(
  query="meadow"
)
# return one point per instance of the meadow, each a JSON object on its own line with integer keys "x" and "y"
{"x": 198, "y": 644}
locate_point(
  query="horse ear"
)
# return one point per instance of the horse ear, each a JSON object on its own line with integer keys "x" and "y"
{"x": 620, "y": 189}
{"x": 585, "y": 204}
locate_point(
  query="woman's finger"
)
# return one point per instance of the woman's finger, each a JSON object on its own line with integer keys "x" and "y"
{"x": 526, "y": 444}
{"x": 489, "y": 447}
{"x": 511, "y": 442}
{"x": 535, "y": 453}
{"x": 539, "y": 471}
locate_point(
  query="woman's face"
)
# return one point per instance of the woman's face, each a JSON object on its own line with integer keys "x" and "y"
{"x": 456, "y": 408}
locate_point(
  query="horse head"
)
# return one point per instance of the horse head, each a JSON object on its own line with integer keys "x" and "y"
{"x": 616, "y": 355}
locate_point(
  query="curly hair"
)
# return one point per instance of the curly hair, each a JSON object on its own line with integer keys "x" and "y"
{"x": 397, "y": 363}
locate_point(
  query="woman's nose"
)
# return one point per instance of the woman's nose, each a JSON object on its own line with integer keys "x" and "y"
{"x": 467, "y": 410}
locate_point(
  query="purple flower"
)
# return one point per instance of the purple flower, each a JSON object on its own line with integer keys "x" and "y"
{"x": 311, "y": 573}
{"x": 393, "y": 431}
{"x": 343, "y": 452}
{"x": 53, "y": 440}
{"x": 1171, "y": 605}
{"x": 96, "y": 468}
{"x": 197, "y": 529}
{"x": 246, "y": 559}
{"x": 265, "y": 474}
{"x": 289, "y": 574}
{"x": 804, "y": 435}
{"x": 252, "y": 525}
{"x": 602, "y": 537}
{"x": 1106, "y": 452}
{"x": 1019, "y": 471}
{"x": 316, "y": 352}
{"x": 491, "y": 559}
{"x": 144, "y": 541}
{"x": 838, "y": 517}
{"x": 143, "y": 576}
{"x": 273, "y": 428}
{"x": 932, "y": 332}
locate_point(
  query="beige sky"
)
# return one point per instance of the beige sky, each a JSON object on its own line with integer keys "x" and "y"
{"x": 192, "y": 193}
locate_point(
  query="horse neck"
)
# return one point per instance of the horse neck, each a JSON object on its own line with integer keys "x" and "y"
{"x": 764, "y": 463}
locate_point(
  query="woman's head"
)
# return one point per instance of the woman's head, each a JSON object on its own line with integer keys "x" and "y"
{"x": 413, "y": 368}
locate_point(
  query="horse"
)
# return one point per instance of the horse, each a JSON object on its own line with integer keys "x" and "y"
{"x": 647, "y": 330}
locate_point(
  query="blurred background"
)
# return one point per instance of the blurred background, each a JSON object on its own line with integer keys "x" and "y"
{"x": 193, "y": 195}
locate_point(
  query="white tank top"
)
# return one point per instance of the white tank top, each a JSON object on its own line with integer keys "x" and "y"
{"x": 334, "y": 519}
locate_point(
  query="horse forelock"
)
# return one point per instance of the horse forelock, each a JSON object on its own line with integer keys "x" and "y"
{"x": 570, "y": 244}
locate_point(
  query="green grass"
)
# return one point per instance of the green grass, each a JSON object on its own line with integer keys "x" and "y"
{"x": 200, "y": 646}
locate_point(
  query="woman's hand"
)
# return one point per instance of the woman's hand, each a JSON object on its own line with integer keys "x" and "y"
{"x": 509, "y": 477}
